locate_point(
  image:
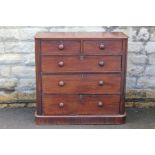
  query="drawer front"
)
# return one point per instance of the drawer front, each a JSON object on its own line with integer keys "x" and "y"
{"x": 60, "y": 47}
{"x": 80, "y": 104}
{"x": 81, "y": 84}
{"x": 60, "y": 64}
{"x": 103, "y": 47}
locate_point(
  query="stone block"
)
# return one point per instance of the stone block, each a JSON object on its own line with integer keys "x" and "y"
{"x": 26, "y": 85}
{"x": 150, "y": 47}
{"x": 17, "y": 97}
{"x": 136, "y": 93}
{"x": 5, "y": 71}
{"x": 1, "y": 47}
{"x": 10, "y": 59}
{"x": 7, "y": 97}
{"x": 136, "y": 47}
{"x": 78, "y": 29}
{"x": 150, "y": 93}
{"x": 17, "y": 105}
{"x": 151, "y": 59}
{"x": 152, "y": 31}
{"x": 29, "y": 59}
{"x": 19, "y": 47}
{"x": 135, "y": 70}
{"x": 141, "y": 34}
{"x": 3, "y": 106}
{"x": 146, "y": 82}
{"x": 29, "y": 96}
{"x": 150, "y": 70}
{"x": 137, "y": 59}
{"x": 23, "y": 71}
{"x": 1, "y": 34}
{"x": 9, "y": 34}
{"x": 8, "y": 84}
{"x": 140, "y": 104}
{"x": 19, "y": 33}
{"x": 31, "y": 105}
{"x": 130, "y": 82}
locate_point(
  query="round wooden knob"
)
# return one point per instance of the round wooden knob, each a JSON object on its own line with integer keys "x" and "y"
{"x": 101, "y": 63}
{"x": 61, "y": 46}
{"x": 61, "y": 64}
{"x": 61, "y": 104}
{"x": 100, "y": 104}
{"x": 61, "y": 83}
{"x": 102, "y": 46}
{"x": 101, "y": 83}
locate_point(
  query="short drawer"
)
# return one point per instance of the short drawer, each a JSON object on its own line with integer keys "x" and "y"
{"x": 81, "y": 84}
{"x": 58, "y": 47}
{"x": 80, "y": 104}
{"x": 103, "y": 47}
{"x": 63, "y": 64}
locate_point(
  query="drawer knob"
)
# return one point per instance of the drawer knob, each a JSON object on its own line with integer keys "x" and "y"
{"x": 101, "y": 63}
{"x": 101, "y": 83}
{"x": 100, "y": 104}
{"x": 61, "y": 46}
{"x": 61, "y": 83}
{"x": 102, "y": 46}
{"x": 61, "y": 64}
{"x": 61, "y": 104}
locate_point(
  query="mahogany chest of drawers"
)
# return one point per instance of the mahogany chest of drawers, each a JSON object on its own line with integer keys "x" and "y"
{"x": 80, "y": 77}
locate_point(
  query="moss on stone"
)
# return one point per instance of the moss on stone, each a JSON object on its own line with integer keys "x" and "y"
{"x": 17, "y": 105}
{"x": 26, "y": 96}
{"x": 3, "y": 105}
{"x": 6, "y": 98}
{"x": 150, "y": 94}
{"x": 136, "y": 94}
{"x": 17, "y": 97}
{"x": 140, "y": 104}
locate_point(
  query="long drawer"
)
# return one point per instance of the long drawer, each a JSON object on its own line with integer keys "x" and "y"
{"x": 80, "y": 104}
{"x": 63, "y": 64}
{"x": 81, "y": 84}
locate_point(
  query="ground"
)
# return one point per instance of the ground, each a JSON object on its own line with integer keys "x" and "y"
{"x": 23, "y": 118}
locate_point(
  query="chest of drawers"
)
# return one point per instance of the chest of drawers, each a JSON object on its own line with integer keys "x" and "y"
{"x": 80, "y": 77}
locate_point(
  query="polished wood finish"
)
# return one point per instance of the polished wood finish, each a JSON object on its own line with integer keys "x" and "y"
{"x": 60, "y": 47}
{"x": 80, "y": 104}
{"x": 70, "y": 64}
{"x": 38, "y": 76}
{"x": 80, "y": 77}
{"x": 80, "y": 119}
{"x": 81, "y": 84}
{"x": 102, "y": 47}
{"x": 80, "y": 35}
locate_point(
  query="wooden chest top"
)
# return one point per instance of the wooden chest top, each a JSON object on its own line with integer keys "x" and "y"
{"x": 78, "y": 35}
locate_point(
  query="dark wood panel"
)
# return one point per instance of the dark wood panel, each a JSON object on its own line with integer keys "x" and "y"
{"x": 38, "y": 76}
{"x": 123, "y": 82}
{"x": 77, "y": 84}
{"x": 80, "y": 104}
{"x": 64, "y": 64}
{"x": 60, "y": 47}
{"x": 102, "y": 47}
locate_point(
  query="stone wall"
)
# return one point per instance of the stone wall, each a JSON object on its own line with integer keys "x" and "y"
{"x": 17, "y": 65}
